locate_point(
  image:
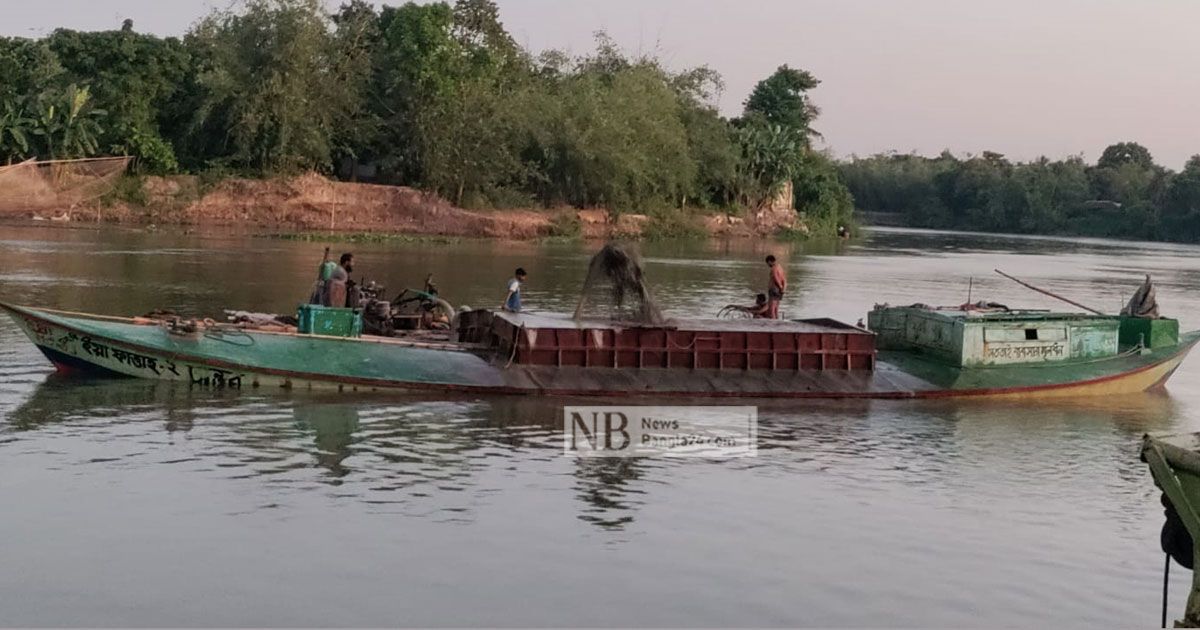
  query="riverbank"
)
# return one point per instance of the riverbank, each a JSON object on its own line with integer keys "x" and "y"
{"x": 311, "y": 203}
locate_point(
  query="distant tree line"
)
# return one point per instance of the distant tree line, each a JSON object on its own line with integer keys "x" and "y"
{"x": 1123, "y": 195}
{"x": 437, "y": 96}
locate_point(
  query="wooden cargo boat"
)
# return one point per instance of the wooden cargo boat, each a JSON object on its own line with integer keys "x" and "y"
{"x": 910, "y": 352}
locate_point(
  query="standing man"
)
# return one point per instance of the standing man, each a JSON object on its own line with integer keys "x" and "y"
{"x": 775, "y": 289}
{"x": 512, "y": 302}
{"x": 335, "y": 286}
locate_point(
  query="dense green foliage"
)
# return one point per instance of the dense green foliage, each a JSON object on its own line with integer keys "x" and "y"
{"x": 781, "y": 99}
{"x": 1124, "y": 195}
{"x": 432, "y": 95}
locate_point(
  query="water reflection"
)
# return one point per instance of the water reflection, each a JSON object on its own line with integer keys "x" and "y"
{"x": 403, "y": 450}
{"x": 609, "y": 490}
{"x": 60, "y": 399}
{"x": 333, "y": 426}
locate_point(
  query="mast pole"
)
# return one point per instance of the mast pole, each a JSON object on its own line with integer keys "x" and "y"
{"x": 1045, "y": 292}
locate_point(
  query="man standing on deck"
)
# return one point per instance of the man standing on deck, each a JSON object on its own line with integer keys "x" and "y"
{"x": 776, "y": 288}
{"x": 335, "y": 286}
{"x": 512, "y": 302}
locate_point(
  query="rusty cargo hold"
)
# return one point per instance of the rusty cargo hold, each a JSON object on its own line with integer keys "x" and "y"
{"x": 749, "y": 344}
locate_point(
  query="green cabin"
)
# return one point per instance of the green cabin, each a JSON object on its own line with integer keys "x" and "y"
{"x": 995, "y": 338}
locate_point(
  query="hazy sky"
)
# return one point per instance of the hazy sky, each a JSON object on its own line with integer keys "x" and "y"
{"x": 1022, "y": 77}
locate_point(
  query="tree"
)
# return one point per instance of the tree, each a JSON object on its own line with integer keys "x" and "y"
{"x": 419, "y": 62}
{"x": 610, "y": 134}
{"x": 28, "y": 68}
{"x": 820, "y": 193}
{"x": 712, "y": 140}
{"x": 272, "y": 85}
{"x": 900, "y": 184}
{"x": 1181, "y": 210}
{"x": 357, "y": 39}
{"x": 470, "y": 142}
{"x": 714, "y": 149}
{"x": 135, "y": 79}
{"x": 776, "y": 133}
{"x": 1125, "y": 199}
{"x": 478, "y": 29}
{"x": 1122, "y": 153}
{"x": 1124, "y": 183}
{"x": 782, "y": 99}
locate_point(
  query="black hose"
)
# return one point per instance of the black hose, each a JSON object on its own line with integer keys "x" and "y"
{"x": 229, "y": 335}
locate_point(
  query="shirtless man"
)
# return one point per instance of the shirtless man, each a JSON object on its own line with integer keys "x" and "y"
{"x": 778, "y": 284}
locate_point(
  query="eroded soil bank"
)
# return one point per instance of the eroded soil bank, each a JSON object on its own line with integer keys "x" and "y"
{"x": 311, "y": 202}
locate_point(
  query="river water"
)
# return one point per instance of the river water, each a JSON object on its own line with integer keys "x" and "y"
{"x": 131, "y": 503}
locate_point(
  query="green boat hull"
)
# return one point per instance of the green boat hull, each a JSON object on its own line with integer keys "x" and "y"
{"x": 237, "y": 359}
{"x": 230, "y": 358}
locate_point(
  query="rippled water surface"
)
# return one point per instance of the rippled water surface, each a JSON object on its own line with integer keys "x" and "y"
{"x": 133, "y": 503}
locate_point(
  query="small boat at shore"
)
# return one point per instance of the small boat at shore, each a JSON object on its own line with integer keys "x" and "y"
{"x": 904, "y": 352}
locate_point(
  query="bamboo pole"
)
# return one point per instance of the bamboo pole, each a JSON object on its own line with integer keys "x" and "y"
{"x": 1045, "y": 292}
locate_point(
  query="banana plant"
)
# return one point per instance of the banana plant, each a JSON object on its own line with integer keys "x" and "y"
{"x": 15, "y": 127}
{"x": 67, "y": 124}
{"x": 772, "y": 156}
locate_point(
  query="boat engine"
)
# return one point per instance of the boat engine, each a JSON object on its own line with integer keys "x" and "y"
{"x": 411, "y": 310}
{"x": 376, "y": 310}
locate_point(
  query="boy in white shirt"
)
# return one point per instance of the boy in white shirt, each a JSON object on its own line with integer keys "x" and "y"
{"x": 512, "y": 302}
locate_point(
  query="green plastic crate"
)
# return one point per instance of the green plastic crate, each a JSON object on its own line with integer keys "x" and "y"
{"x": 326, "y": 320}
{"x": 1155, "y": 333}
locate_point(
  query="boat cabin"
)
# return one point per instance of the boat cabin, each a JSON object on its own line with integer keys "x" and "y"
{"x": 746, "y": 344}
{"x": 968, "y": 338}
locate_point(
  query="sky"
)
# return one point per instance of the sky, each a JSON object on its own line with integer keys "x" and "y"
{"x": 1021, "y": 77}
